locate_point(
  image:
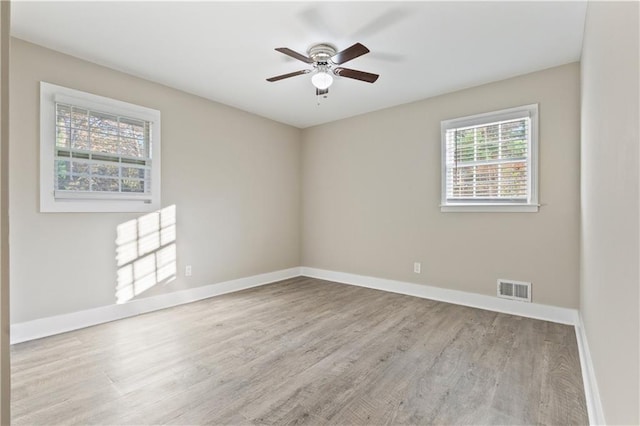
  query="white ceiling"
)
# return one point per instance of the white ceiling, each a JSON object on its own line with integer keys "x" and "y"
{"x": 223, "y": 51}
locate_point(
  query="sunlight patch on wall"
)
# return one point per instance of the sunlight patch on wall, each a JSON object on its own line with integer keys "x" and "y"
{"x": 145, "y": 253}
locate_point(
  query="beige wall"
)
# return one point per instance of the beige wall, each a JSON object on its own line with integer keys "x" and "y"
{"x": 5, "y": 369}
{"x": 234, "y": 178}
{"x": 610, "y": 255}
{"x": 371, "y": 194}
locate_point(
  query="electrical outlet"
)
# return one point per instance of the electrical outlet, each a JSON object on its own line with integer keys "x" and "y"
{"x": 187, "y": 271}
{"x": 417, "y": 267}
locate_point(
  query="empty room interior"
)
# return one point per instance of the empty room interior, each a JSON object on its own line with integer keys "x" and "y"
{"x": 320, "y": 212}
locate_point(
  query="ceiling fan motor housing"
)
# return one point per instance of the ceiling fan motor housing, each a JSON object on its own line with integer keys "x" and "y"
{"x": 322, "y": 53}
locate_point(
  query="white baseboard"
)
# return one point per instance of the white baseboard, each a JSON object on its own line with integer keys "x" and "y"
{"x": 30, "y": 330}
{"x": 591, "y": 393}
{"x": 43, "y": 327}
{"x": 490, "y": 303}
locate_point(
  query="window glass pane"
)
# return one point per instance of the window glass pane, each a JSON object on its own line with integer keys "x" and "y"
{"x": 133, "y": 147}
{"x": 73, "y": 183}
{"x": 104, "y": 184}
{"x": 79, "y": 168}
{"x": 79, "y": 128}
{"x": 134, "y": 135}
{"x": 104, "y": 170}
{"x": 514, "y": 129}
{"x": 62, "y": 182}
{"x": 102, "y": 123}
{"x": 480, "y": 144}
{"x": 63, "y": 137}
{"x": 133, "y": 172}
{"x": 79, "y": 118}
{"x": 130, "y": 185}
{"x": 97, "y": 139}
{"x": 101, "y": 142}
{"x": 63, "y": 126}
{"x": 515, "y": 149}
{"x": 464, "y": 145}
{"x": 492, "y": 147}
{"x": 63, "y": 168}
{"x": 104, "y": 132}
{"x": 80, "y": 139}
{"x": 131, "y": 128}
{"x": 514, "y": 176}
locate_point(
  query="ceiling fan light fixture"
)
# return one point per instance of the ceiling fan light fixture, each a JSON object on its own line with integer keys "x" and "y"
{"x": 322, "y": 80}
{"x": 323, "y": 58}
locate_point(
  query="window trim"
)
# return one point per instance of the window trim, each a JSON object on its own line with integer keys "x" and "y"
{"x": 531, "y": 205}
{"x": 108, "y": 202}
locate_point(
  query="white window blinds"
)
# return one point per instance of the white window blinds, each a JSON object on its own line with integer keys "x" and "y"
{"x": 488, "y": 159}
{"x": 101, "y": 155}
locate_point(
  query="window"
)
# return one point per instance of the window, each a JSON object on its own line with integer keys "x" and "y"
{"x": 97, "y": 154}
{"x": 489, "y": 161}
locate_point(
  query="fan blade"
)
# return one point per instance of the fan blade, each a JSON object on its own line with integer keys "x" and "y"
{"x": 349, "y": 53}
{"x": 320, "y": 92}
{"x": 355, "y": 74}
{"x": 291, "y": 74}
{"x": 294, "y": 54}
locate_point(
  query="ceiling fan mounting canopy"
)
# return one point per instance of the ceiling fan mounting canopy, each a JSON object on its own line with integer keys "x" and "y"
{"x": 323, "y": 57}
{"x": 321, "y": 53}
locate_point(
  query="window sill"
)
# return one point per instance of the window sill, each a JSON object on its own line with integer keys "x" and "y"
{"x": 70, "y": 205}
{"x": 489, "y": 208}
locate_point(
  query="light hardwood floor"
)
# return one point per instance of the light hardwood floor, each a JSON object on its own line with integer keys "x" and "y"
{"x": 304, "y": 351}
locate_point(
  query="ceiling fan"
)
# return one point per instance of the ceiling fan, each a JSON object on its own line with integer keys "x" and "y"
{"x": 324, "y": 58}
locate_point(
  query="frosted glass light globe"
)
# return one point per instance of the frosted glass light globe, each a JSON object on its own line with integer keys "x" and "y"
{"x": 322, "y": 80}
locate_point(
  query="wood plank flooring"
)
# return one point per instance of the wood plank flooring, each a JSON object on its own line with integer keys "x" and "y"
{"x": 304, "y": 351}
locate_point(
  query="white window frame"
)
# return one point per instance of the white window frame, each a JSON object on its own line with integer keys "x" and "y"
{"x": 531, "y": 204}
{"x": 93, "y": 202}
